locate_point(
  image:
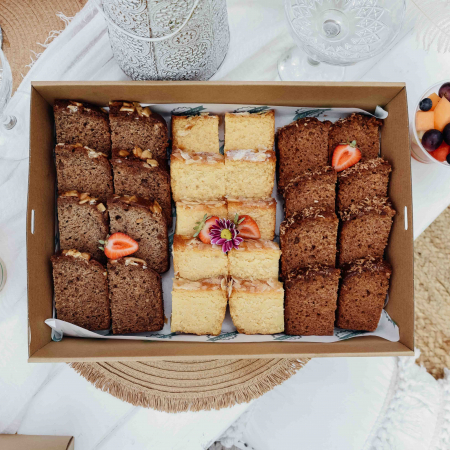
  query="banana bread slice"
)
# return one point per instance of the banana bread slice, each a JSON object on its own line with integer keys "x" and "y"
{"x": 136, "y": 296}
{"x": 308, "y": 239}
{"x": 302, "y": 146}
{"x": 83, "y": 222}
{"x": 310, "y": 301}
{"x": 83, "y": 123}
{"x": 362, "y": 294}
{"x": 81, "y": 290}
{"x": 143, "y": 221}
{"x": 132, "y": 125}
{"x": 365, "y": 229}
{"x": 136, "y": 172}
{"x": 365, "y": 130}
{"x": 312, "y": 189}
{"x": 365, "y": 179}
{"x": 83, "y": 169}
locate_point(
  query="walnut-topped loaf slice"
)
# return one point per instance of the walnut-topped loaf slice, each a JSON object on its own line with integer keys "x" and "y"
{"x": 310, "y": 301}
{"x": 81, "y": 290}
{"x": 308, "y": 239}
{"x": 138, "y": 172}
{"x": 365, "y": 229}
{"x": 83, "y": 123}
{"x": 143, "y": 221}
{"x": 196, "y": 133}
{"x": 362, "y": 294}
{"x": 83, "y": 169}
{"x": 132, "y": 125}
{"x": 301, "y": 146}
{"x": 135, "y": 292}
{"x": 365, "y": 130}
{"x": 312, "y": 189}
{"x": 83, "y": 222}
{"x": 366, "y": 179}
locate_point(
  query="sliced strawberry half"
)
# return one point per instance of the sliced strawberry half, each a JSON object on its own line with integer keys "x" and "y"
{"x": 345, "y": 156}
{"x": 119, "y": 245}
{"x": 202, "y": 228}
{"x": 247, "y": 227}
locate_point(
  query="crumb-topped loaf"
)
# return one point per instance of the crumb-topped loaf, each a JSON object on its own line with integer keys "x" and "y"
{"x": 135, "y": 292}
{"x": 190, "y": 212}
{"x": 81, "y": 290}
{"x": 83, "y": 123}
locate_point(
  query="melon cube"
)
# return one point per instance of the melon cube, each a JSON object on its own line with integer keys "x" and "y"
{"x": 441, "y": 114}
{"x": 435, "y": 99}
{"x": 424, "y": 120}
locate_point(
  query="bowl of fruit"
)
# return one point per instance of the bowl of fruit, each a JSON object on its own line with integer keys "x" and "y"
{"x": 430, "y": 130}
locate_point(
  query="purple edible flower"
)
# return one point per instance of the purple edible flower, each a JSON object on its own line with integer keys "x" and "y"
{"x": 224, "y": 233}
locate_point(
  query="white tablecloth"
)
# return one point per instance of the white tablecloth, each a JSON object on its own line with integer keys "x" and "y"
{"x": 52, "y": 399}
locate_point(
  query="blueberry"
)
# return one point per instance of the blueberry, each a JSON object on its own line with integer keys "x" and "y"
{"x": 448, "y": 158}
{"x": 426, "y": 104}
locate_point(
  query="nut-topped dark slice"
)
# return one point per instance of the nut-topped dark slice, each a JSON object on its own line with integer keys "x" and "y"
{"x": 132, "y": 125}
{"x": 135, "y": 292}
{"x": 143, "y": 221}
{"x": 80, "y": 122}
{"x": 83, "y": 169}
{"x": 138, "y": 172}
{"x": 83, "y": 222}
{"x": 81, "y": 290}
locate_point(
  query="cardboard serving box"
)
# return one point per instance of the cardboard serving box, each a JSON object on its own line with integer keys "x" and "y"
{"x": 29, "y": 442}
{"x": 41, "y": 213}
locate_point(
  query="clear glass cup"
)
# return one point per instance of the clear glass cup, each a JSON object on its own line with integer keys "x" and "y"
{"x": 418, "y": 151}
{"x": 7, "y": 122}
{"x": 339, "y": 33}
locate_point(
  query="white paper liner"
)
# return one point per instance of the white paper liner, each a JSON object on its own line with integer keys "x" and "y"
{"x": 387, "y": 328}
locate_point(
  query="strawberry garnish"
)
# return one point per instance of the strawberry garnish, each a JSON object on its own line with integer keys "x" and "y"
{"x": 247, "y": 227}
{"x": 119, "y": 245}
{"x": 202, "y": 228}
{"x": 345, "y": 156}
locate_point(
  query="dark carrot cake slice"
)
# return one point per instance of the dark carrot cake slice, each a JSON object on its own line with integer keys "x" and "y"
{"x": 365, "y": 179}
{"x": 365, "y": 130}
{"x": 362, "y": 294}
{"x": 135, "y": 292}
{"x": 308, "y": 239}
{"x": 302, "y": 145}
{"x": 310, "y": 301}
{"x": 312, "y": 189}
{"x": 365, "y": 229}
{"x": 81, "y": 290}
{"x": 80, "y": 122}
{"x": 132, "y": 125}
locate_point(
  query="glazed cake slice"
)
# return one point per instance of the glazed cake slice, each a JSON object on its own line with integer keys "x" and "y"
{"x": 365, "y": 229}
{"x": 189, "y": 213}
{"x": 83, "y": 169}
{"x": 312, "y": 189}
{"x": 250, "y": 174}
{"x": 198, "y": 307}
{"x": 366, "y": 179}
{"x": 308, "y": 239}
{"x": 250, "y": 131}
{"x": 143, "y": 221}
{"x": 194, "y": 260}
{"x": 365, "y": 130}
{"x": 83, "y": 222}
{"x": 302, "y": 146}
{"x": 255, "y": 259}
{"x": 196, "y": 133}
{"x": 81, "y": 290}
{"x": 136, "y": 172}
{"x": 135, "y": 293}
{"x": 132, "y": 125}
{"x": 197, "y": 176}
{"x": 263, "y": 212}
{"x": 82, "y": 123}
{"x": 256, "y": 306}
{"x": 362, "y": 294}
{"x": 310, "y": 301}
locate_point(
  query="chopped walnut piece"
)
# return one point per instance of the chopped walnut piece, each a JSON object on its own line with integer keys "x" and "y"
{"x": 124, "y": 153}
{"x": 137, "y": 151}
{"x": 101, "y": 207}
{"x": 152, "y": 162}
{"x": 146, "y": 154}
{"x": 146, "y": 112}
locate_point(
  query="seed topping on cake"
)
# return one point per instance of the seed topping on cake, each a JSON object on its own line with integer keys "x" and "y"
{"x": 250, "y": 155}
{"x": 212, "y": 284}
{"x": 364, "y": 165}
{"x": 382, "y": 206}
{"x": 255, "y": 286}
{"x": 199, "y": 157}
{"x": 76, "y": 254}
{"x": 84, "y": 197}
